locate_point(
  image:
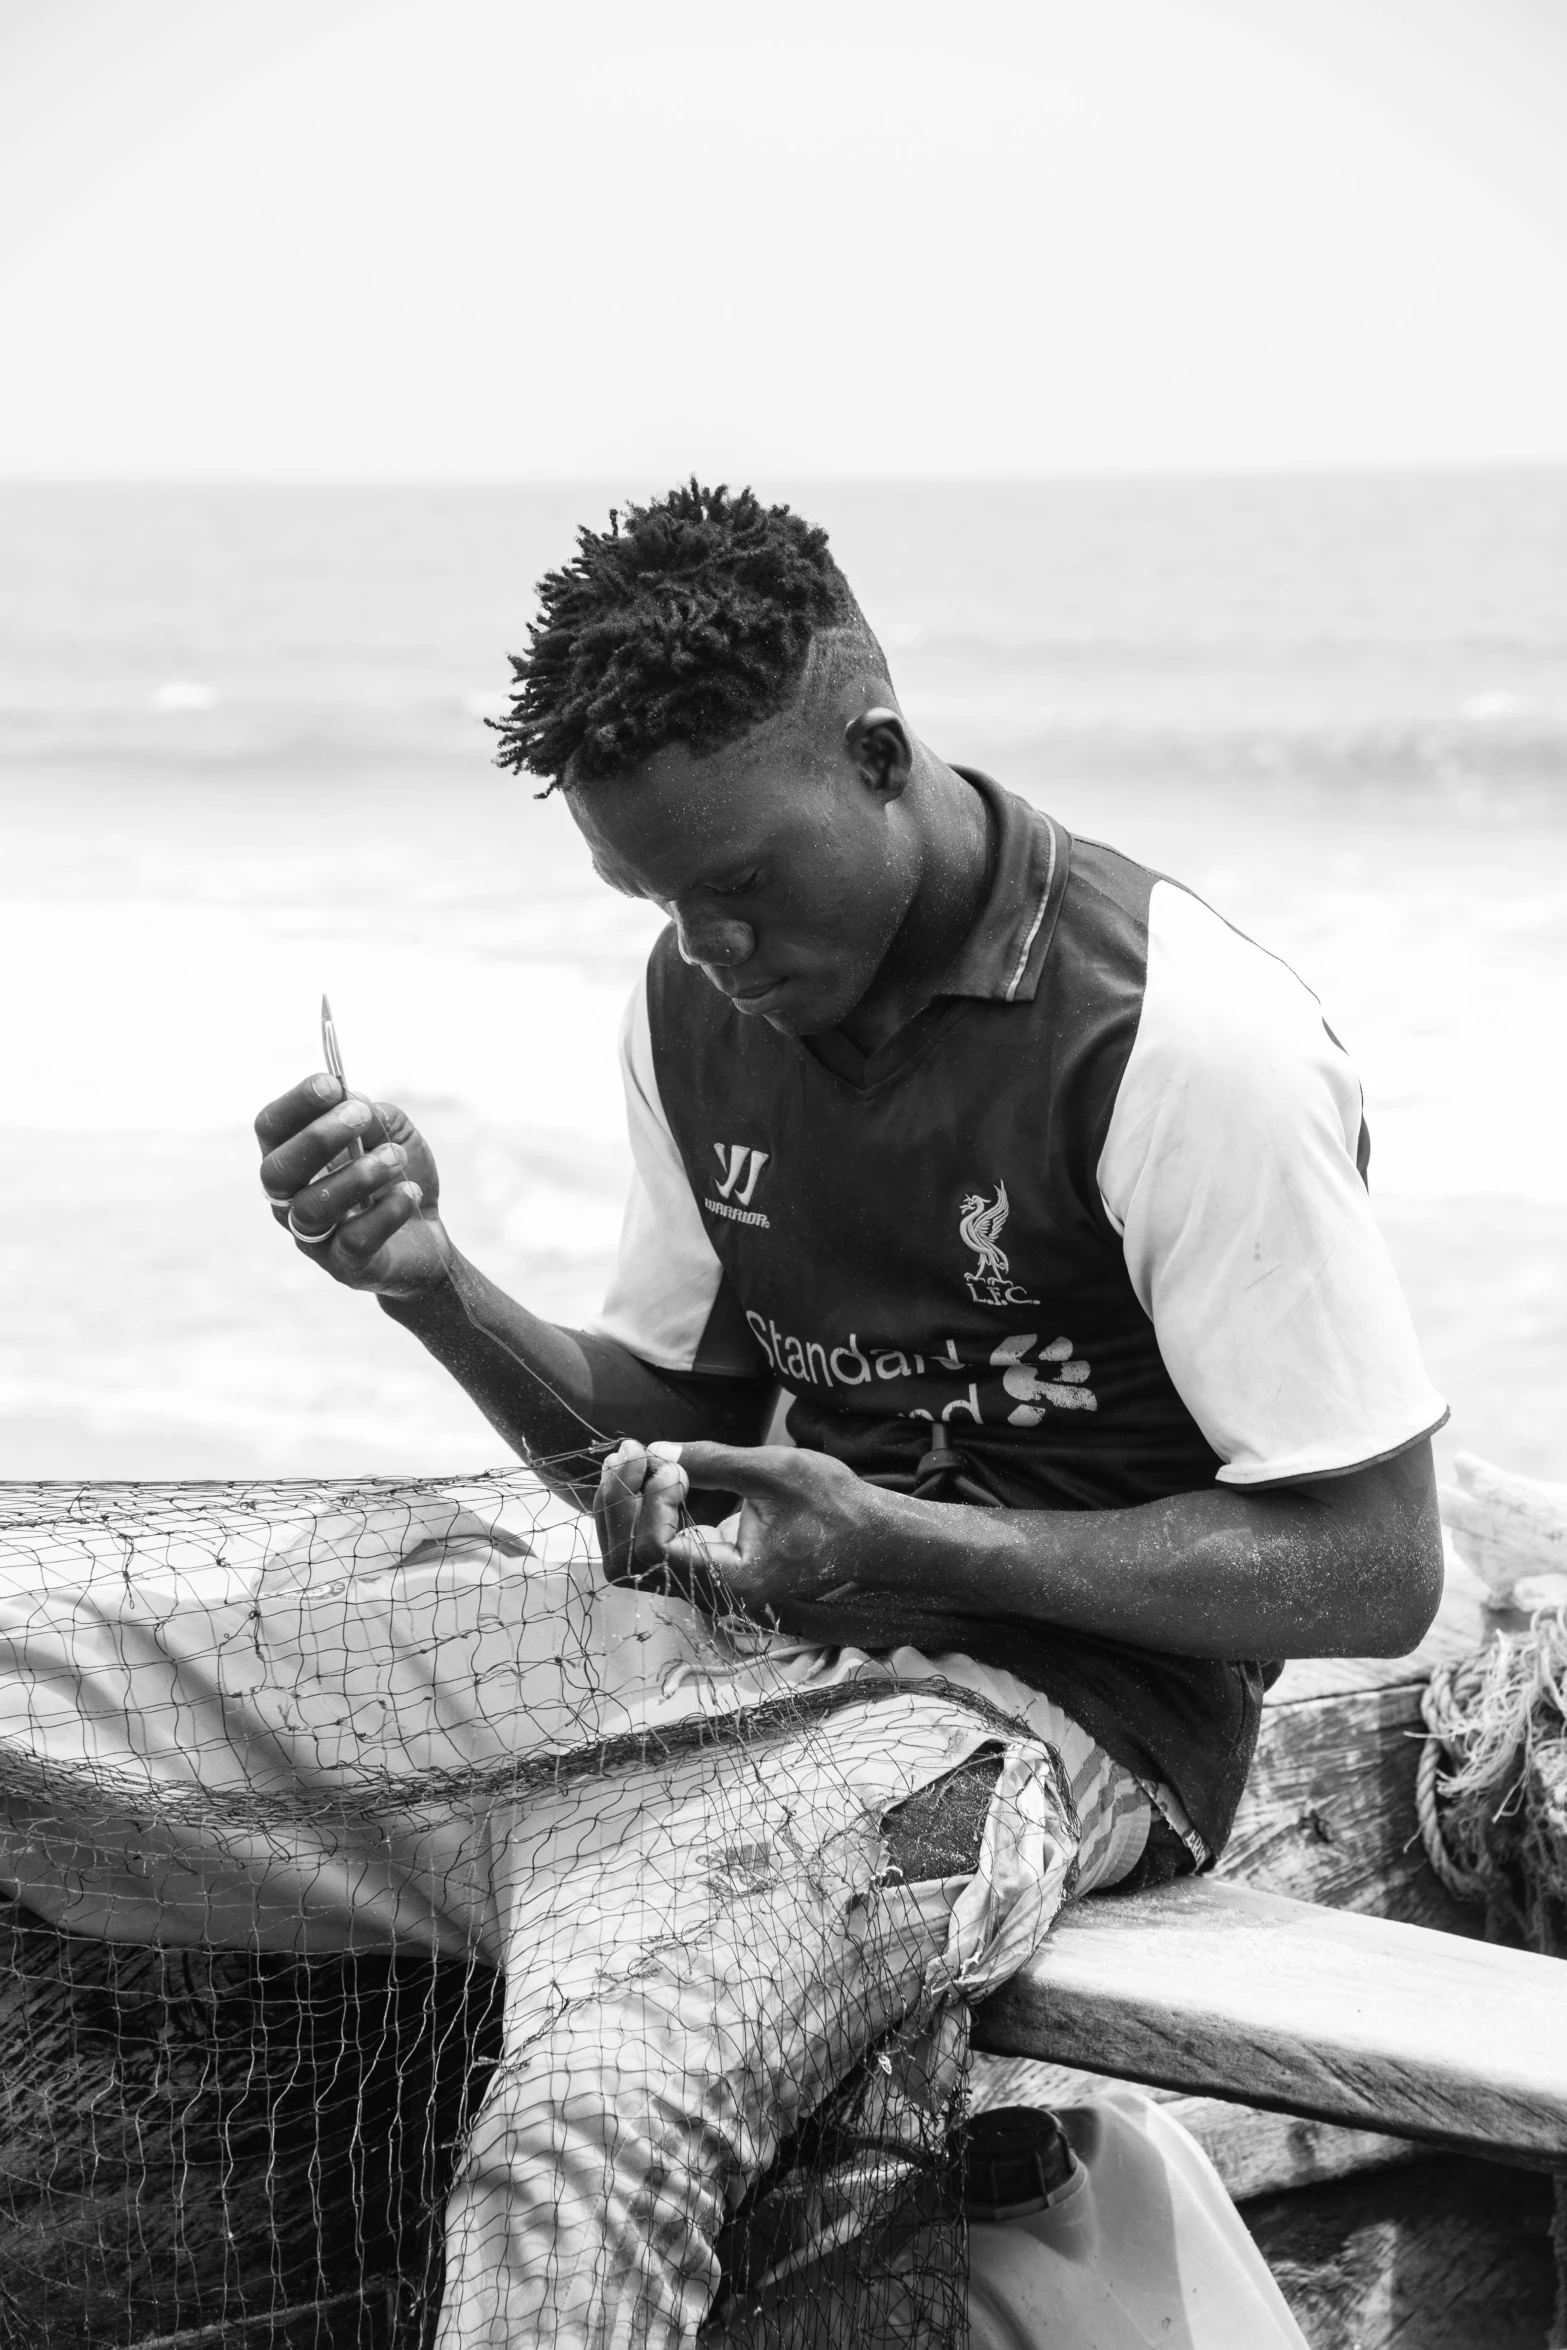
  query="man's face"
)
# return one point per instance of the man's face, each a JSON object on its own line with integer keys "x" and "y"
{"x": 785, "y": 871}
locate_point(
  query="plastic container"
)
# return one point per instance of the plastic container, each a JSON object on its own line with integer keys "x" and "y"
{"x": 1106, "y": 2227}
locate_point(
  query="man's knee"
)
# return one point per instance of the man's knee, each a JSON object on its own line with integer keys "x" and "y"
{"x": 938, "y": 1831}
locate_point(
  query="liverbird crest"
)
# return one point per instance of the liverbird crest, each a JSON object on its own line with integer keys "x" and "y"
{"x": 979, "y": 1223}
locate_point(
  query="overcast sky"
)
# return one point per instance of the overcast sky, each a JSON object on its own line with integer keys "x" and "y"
{"x": 531, "y": 238}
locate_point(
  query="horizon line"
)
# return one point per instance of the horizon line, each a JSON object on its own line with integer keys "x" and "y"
{"x": 1301, "y": 469}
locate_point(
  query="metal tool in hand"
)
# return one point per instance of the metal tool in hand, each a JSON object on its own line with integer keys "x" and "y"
{"x": 332, "y": 1052}
{"x": 334, "y": 1062}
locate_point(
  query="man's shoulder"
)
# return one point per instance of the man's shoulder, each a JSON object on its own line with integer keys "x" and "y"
{"x": 1231, "y": 1044}
{"x": 1107, "y": 875}
{"x": 1127, "y": 912}
{"x": 1211, "y": 985}
{"x": 1156, "y": 999}
{"x": 1110, "y": 896}
{"x": 1093, "y": 978}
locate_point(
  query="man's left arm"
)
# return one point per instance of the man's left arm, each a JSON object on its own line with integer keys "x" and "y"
{"x": 1349, "y": 1565}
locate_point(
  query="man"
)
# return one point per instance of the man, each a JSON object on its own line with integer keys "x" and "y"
{"x": 1036, "y": 1187}
{"x": 1039, "y": 1192}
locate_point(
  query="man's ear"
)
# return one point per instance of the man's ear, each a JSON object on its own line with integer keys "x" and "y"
{"x": 880, "y": 745}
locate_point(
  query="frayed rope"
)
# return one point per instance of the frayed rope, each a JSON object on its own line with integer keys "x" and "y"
{"x": 1485, "y": 1718}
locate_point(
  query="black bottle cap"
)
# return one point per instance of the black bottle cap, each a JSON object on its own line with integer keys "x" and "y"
{"x": 1014, "y": 2160}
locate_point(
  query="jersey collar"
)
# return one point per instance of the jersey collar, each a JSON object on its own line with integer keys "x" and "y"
{"x": 1001, "y": 959}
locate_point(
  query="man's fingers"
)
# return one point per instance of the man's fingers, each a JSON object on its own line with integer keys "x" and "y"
{"x": 700, "y": 1555}
{"x": 395, "y": 1122}
{"x": 615, "y": 1507}
{"x": 661, "y": 1515}
{"x": 296, "y": 1109}
{"x": 751, "y": 1469}
{"x": 638, "y": 1511}
{"x": 360, "y": 1241}
{"x": 630, "y": 1461}
{"x": 287, "y": 1169}
{"x": 328, "y": 1200}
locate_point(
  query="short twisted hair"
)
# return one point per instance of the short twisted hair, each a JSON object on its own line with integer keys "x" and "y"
{"x": 688, "y": 621}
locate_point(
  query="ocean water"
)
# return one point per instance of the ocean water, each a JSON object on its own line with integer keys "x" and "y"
{"x": 242, "y": 760}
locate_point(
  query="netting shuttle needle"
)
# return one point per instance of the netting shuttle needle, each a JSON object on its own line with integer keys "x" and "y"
{"x": 334, "y": 1062}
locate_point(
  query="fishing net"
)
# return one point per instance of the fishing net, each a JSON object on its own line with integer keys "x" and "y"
{"x": 409, "y": 1939}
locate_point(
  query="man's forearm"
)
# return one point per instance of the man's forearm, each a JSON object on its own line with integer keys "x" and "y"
{"x": 551, "y": 1393}
{"x": 1345, "y": 1566}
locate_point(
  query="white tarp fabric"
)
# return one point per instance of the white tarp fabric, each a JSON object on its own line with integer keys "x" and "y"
{"x": 428, "y": 1723}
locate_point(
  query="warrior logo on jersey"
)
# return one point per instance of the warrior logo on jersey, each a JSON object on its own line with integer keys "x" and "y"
{"x": 979, "y": 1228}
{"x": 739, "y": 1166}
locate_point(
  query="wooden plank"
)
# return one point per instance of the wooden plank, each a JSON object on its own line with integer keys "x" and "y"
{"x": 1257, "y": 2153}
{"x": 1357, "y": 2020}
{"x": 1329, "y": 1811}
{"x": 1445, "y": 2255}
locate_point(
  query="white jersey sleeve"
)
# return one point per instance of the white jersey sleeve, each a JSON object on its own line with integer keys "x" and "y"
{"x": 1230, "y": 1171}
{"x": 664, "y": 1302}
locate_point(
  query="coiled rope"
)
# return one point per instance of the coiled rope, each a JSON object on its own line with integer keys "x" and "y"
{"x": 1485, "y": 1716}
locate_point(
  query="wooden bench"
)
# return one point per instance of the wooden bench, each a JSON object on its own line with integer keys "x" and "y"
{"x": 1230, "y": 1992}
{"x": 1324, "y": 1972}
{"x": 1304, "y": 1977}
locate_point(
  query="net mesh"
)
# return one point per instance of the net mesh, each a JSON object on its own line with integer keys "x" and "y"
{"x": 410, "y": 1939}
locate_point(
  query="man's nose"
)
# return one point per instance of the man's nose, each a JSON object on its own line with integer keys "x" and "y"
{"x": 716, "y": 940}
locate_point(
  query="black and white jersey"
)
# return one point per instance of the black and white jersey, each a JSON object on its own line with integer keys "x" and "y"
{"x": 1097, "y": 1216}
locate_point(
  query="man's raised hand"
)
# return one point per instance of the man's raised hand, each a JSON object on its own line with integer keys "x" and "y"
{"x": 374, "y": 1223}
